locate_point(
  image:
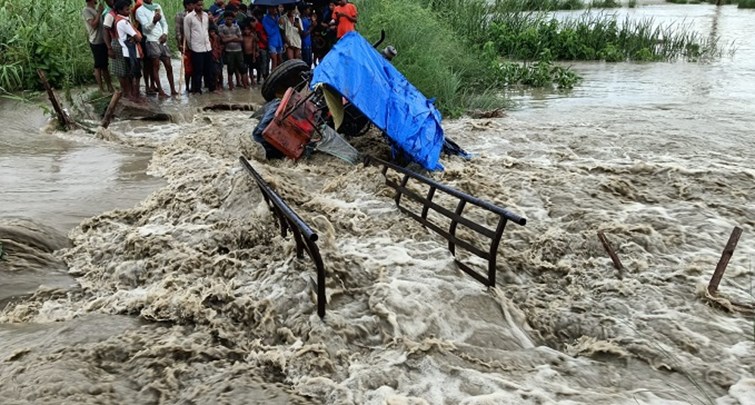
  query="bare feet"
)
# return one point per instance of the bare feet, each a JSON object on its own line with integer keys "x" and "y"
{"x": 162, "y": 95}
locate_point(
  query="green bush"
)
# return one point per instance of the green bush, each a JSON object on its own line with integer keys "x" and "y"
{"x": 746, "y": 4}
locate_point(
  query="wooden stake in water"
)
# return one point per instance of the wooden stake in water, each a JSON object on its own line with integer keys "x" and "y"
{"x": 110, "y": 109}
{"x": 65, "y": 121}
{"x": 724, "y": 261}
{"x": 612, "y": 254}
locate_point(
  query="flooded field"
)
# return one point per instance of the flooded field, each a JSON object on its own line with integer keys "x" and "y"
{"x": 143, "y": 266}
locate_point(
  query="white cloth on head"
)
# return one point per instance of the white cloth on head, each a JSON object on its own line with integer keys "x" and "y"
{"x": 152, "y": 31}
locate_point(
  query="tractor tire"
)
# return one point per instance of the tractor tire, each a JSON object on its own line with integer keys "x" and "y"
{"x": 287, "y": 74}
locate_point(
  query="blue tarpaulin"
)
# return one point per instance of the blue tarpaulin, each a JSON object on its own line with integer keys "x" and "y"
{"x": 360, "y": 73}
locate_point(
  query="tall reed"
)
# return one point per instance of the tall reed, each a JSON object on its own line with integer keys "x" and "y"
{"x": 592, "y": 35}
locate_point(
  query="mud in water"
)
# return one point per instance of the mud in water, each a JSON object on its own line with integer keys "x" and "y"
{"x": 192, "y": 296}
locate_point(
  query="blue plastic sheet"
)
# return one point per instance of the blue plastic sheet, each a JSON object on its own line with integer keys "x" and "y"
{"x": 360, "y": 73}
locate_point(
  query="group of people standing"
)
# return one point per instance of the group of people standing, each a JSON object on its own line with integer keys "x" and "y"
{"x": 131, "y": 41}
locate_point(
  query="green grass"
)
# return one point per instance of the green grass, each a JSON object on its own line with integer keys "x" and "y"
{"x": 430, "y": 55}
{"x": 39, "y": 34}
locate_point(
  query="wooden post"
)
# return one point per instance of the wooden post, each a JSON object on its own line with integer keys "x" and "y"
{"x": 110, "y": 109}
{"x": 63, "y": 118}
{"x": 612, "y": 254}
{"x": 724, "y": 261}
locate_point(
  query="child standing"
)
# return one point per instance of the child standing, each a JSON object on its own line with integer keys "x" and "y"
{"x": 232, "y": 40}
{"x": 129, "y": 68}
{"x": 217, "y": 57}
{"x": 251, "y": 54}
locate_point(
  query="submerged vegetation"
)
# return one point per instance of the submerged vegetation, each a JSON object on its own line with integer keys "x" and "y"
{"x": 461, "y": 52}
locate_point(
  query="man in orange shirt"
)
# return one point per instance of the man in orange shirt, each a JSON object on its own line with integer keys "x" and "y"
{"x": 345, "y": 17}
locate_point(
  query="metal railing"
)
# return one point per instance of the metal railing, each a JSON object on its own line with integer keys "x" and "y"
{"x": 456, "y": 216}
{"x": 304, "y": 236}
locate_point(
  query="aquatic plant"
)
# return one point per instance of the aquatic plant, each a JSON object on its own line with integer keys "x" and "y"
{"x": 589, "y": 36}
{"x": 37, "y": 34}
{"x": 597, "y": 36}
{"x": 540, "y": 5}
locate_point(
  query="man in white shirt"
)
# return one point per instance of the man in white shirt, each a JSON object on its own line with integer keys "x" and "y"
{"x": 127, "y": 64}
{"x": 155, "y": 29}
{"x": 197, "y": 38}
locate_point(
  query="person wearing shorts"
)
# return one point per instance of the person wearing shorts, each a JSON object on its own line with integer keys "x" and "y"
{"x": 93, "y": 22}
{"x": 155, "y": 29}
{"x": 274, "y": 39}
{"x": 126, "y": 64}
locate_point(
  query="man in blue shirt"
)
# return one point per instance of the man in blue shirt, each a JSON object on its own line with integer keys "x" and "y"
{"x": 274, "y": 40}
{"x": 216, "y": 10}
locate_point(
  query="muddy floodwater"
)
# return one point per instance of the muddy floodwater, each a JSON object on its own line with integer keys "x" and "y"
{"x": 142, "y": 266}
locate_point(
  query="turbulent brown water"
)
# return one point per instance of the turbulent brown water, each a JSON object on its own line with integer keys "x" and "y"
{"x": 183, "y": 292}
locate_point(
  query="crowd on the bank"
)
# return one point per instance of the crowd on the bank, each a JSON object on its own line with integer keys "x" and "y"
{"x": 130, "y": 41}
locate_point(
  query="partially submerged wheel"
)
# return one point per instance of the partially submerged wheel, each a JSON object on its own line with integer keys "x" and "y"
{"x": 287, "y": 74}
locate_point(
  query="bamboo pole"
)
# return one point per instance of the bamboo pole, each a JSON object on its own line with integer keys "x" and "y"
{"x": 63, "y": 118}
{"x": 110, "y": 109}
{"x": 724, "y": 261}
{"x": 612, "y": 254}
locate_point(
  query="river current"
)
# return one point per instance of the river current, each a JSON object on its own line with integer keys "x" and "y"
{"x": 142, "y": 265}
